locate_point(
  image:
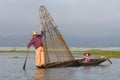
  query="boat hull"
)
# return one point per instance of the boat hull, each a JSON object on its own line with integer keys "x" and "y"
{"x": 74, "y": 63}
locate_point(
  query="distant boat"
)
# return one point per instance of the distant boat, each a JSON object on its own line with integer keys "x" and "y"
{"x": 57, "y": 53}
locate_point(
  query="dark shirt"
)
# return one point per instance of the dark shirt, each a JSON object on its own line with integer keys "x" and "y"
{"x": 36, "y": 42}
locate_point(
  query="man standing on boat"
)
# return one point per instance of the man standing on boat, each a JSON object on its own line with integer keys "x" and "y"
{"x": 36, "y": 41}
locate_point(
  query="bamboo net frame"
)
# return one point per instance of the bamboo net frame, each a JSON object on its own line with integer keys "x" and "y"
{"x": 55, "y": 47}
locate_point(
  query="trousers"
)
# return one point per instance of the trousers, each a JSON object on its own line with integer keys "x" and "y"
{"x": 40, "y": 58}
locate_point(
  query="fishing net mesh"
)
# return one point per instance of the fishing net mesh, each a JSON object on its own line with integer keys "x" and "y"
{"x": 55, "y": 48}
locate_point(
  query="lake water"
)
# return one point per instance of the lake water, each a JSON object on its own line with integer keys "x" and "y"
{"x": 11, "y": 69}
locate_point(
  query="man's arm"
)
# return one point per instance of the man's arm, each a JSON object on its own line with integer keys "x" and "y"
{"x": 29, "y": 44}
{"x": 42, "y": 30}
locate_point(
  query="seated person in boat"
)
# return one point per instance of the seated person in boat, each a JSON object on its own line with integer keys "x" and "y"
{"x": 87, "y": 57}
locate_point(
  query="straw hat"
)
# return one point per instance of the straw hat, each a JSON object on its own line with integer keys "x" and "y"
{"x": 34, "y": 33}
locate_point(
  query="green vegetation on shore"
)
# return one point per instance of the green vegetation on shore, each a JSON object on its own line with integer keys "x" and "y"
{"x": 110, "y": 54}
{"x": 15, "y": 51}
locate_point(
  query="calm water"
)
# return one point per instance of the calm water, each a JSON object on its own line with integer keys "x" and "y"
{"x": 11, "y": 69}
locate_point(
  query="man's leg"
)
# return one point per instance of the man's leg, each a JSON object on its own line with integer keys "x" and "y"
{"x": 42, "y": 57}
{"x": 38, "y": 60}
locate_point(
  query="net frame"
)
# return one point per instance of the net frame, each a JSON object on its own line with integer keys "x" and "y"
{"x": 55, "y": 47}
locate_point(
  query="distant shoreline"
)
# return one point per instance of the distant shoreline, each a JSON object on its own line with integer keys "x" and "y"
{"x": 109, "y": 54}
{"x": 71, "y": 48}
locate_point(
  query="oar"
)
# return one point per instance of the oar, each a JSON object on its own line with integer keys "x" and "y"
{"x": 109, "y": 61}
{"x": 24, "y": 65}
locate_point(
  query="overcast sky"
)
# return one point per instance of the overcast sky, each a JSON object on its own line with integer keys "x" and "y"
{"x": 82, "y": 19}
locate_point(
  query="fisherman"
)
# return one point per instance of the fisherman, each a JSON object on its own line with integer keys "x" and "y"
{"x": 36, "y": 41}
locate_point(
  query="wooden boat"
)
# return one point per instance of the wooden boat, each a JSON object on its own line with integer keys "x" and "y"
{"x": 93, "y": 62}
{"x": 74, "y": 63}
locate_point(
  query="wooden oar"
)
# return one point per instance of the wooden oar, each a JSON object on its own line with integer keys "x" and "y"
{"x": 109, "y": 61}
{"x": 24, "y": 65}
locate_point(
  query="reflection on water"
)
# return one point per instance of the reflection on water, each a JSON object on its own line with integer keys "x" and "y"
{"x": 53, "y": 74}
{"x": 39, "y": 74}
{"x": 86, "y": 69}
{"x": 89, "y": 69}
{"x": 72, "y": 73}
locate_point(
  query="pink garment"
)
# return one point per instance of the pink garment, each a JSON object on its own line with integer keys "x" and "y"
{"x": 87, "y": 58}
{"x": 36, "y": 42}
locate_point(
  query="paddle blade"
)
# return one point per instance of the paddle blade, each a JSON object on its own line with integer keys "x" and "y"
{"x": 24, "y": 64}
{"x": 109, "y": 61}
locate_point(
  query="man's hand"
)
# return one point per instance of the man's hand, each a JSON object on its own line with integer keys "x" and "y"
{"x": 42, "y": 29}
{"x": 28, "y": 49}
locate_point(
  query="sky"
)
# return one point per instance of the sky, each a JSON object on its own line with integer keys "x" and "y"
{"x": 81, "y": 22}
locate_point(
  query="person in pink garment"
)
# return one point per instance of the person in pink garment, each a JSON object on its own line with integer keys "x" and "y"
{"x": 87, "y": 57}
{"x": 36, "y": 41}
